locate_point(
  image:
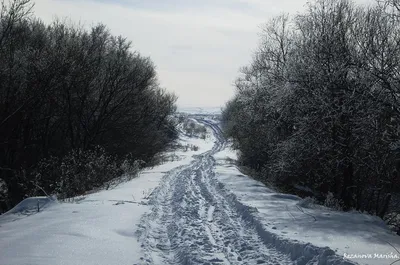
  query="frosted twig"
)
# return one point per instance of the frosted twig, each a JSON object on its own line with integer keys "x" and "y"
{"x": 302, "y": 210}
{"x": 392, "y": 247}
{"x": 287, "y": 208}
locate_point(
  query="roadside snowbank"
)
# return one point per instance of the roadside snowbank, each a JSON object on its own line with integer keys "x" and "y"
{"x": 96, "y": 229}
{"x": 27, "y": 207}
{"x": 308, "y": 232}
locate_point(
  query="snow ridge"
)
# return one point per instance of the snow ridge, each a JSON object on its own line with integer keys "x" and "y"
{"x": 300, "y": 252}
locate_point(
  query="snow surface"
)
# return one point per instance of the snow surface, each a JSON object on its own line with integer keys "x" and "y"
{"x": 290, "y": 218}
{"x": 199, "y": 209}
{"x": 96, "y": 229}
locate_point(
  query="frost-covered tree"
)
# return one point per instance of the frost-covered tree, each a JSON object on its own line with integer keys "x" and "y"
{"x": 318, "y": 106}
{"x": 65, "y": 91}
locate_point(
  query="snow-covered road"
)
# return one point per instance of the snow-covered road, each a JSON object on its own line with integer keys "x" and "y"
{"x": 194, "y": 220}
{"x": 196, "y": 208}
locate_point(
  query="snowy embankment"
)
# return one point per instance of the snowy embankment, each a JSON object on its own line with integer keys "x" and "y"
{"x": 303, "y": 229}
{"x": 96, "y": 229}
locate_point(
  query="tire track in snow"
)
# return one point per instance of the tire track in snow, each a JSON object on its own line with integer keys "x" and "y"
{"x": 193, "y": 220}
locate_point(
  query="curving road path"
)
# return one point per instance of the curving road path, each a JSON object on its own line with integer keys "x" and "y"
{"x": 194, "y": 220}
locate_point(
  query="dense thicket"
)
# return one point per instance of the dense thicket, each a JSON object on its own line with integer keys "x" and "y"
{"x": 318, "y": 107}
{"x": 74, "y": 104}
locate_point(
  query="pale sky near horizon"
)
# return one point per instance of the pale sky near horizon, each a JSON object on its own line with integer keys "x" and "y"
{"x": 197, "y": 46}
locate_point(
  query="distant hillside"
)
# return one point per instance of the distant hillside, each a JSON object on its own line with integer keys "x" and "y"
{"x": 200, "y": 110}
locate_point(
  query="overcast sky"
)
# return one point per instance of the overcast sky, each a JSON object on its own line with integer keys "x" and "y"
{"x": 198, "y": 46}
